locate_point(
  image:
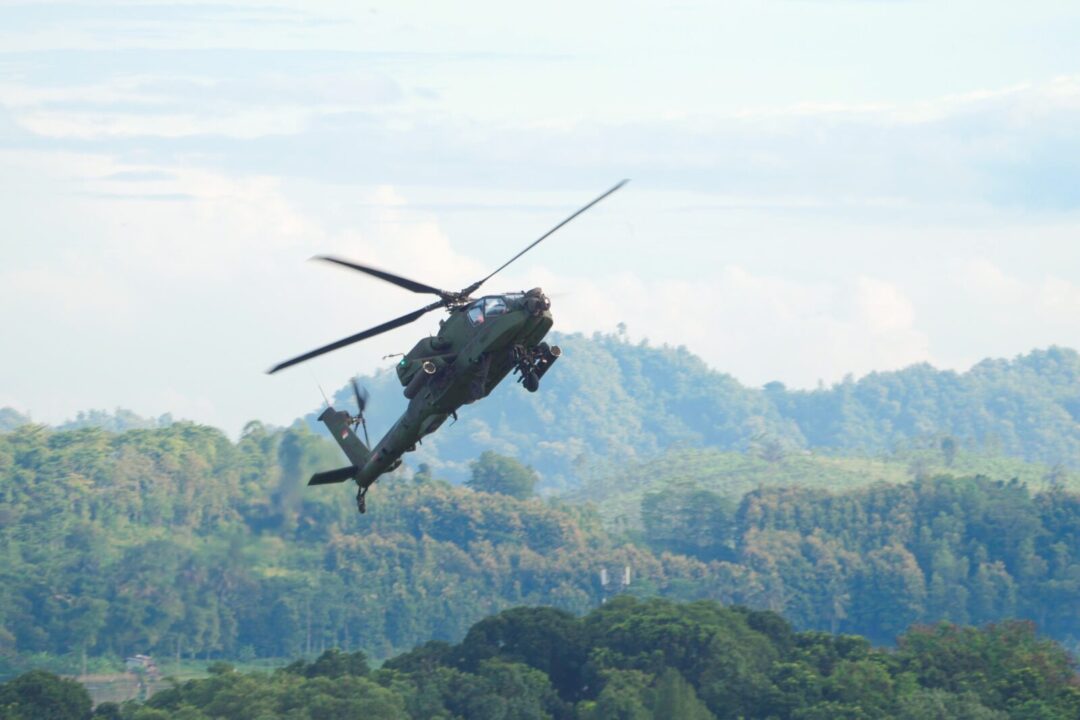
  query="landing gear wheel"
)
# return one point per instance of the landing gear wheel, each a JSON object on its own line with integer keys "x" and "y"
{"x": 361, "y": 501}
{"x": 531, "y": 381}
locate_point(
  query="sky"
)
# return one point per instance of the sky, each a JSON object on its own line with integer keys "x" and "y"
{"x": 818, "y": 187}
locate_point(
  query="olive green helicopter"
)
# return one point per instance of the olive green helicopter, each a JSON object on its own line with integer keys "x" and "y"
{"x": 482, "y": 341}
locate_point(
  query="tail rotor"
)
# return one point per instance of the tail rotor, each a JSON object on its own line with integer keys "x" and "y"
{"x": 361, "y": 395}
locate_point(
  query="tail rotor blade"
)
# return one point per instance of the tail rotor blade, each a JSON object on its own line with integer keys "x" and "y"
{"x": 361, "y": 396}
{"x": 361, "y": 403}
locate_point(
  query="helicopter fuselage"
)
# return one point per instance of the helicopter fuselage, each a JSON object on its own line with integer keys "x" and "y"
{"x": 481, "y": 342}
{"x": 475, "y": 348}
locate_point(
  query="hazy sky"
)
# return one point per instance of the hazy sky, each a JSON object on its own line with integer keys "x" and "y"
{"x": 818, "y": 187}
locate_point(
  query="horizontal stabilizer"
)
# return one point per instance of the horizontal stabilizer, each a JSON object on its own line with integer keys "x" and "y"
{"x": 334, "y": 476}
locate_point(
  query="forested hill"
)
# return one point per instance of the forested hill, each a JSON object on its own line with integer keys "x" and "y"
{"x": 180, "y": 543}
{"x": 608, "y": 401}
{"x": 118, "y": 421}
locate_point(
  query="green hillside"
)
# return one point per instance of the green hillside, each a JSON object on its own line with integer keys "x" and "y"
{"x": 609, "y": 403}
{"x": 180, "y": 543}
{"x": 604, "y": 402}
{"x": 617, "y": 492}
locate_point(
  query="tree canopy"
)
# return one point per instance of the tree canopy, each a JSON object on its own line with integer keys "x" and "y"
{"x": 176, "y": 542}
{"x": 651, "y": 659}
{"x": 494, "y": 473}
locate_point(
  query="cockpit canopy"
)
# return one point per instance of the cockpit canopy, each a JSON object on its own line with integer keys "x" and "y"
{"x": 491, "y": 306}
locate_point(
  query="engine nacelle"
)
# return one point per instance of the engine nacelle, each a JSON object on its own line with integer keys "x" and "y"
{"x": 430, "y": 348}
{"x": 427, "y": 369}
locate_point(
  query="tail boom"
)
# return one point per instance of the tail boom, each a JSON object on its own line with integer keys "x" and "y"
{"x": 366, "y": 465}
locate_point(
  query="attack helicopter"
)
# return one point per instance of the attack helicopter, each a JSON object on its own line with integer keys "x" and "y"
{"x": 481, "y": 342}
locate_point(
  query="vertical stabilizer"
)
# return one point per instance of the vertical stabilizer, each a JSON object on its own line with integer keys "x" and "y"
{"x": 337, "y": 422}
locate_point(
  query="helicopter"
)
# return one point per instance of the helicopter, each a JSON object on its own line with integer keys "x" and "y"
{"x": 482, "y": 341}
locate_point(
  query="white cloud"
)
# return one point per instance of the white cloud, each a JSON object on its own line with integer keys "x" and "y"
{"x": 14, "y": 403}
{"x": 757, "y": 327}
{"x": 73, "y": 288}
{"x": 1060, "y": 299}
{"x": 104, "y": 125}
{"x": 1046, "y": 299}
{"x": 997, "y": 312}
{"x": 180, "y": 305}
{"x": 882, "y": 308}
{"x": 979, "y": 277}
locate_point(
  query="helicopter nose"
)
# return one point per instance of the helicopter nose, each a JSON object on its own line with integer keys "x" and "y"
{"x": 536, "y": 301}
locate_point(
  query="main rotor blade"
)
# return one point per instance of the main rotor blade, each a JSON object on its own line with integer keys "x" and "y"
{"x": 416, "y": 287}
{"x": 378, "y": 329}
{"x": 472, "y": 288}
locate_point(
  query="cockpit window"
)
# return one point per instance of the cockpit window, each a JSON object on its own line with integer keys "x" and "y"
{"x": 494, "y": 306}
{"x": 476, "y": 313}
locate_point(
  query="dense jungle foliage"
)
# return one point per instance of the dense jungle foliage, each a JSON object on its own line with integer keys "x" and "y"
{"x": 628, "y": 660}
{"x": 607, "y": 402}
{"x": 180, "y": 543}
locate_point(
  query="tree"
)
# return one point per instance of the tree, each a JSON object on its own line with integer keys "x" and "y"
{"x": 40, "y": 695}
{"x": 675, "y": 698}
{"x": 549, "y": 640}
{"x": 948, "y": 450}
{"x": 494, "y": 473}
{"x": 334, "y": 663}
{"x": 622, "y": 697}
{"x": 941, "y": 705}
{"x": 685, "y": 519}
{"x": 10, "y": 418}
